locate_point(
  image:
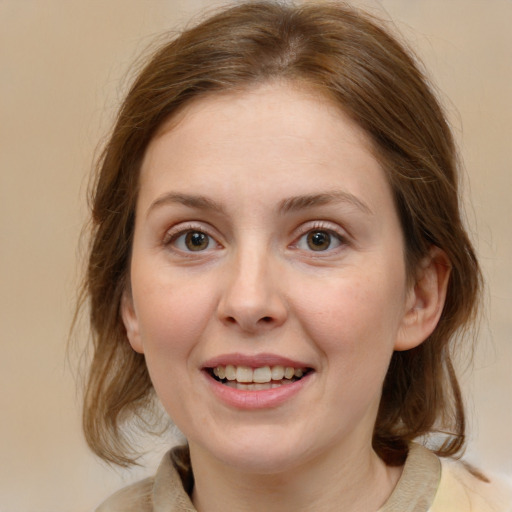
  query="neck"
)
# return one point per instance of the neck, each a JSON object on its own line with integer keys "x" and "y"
{"x": 352, "y": 480}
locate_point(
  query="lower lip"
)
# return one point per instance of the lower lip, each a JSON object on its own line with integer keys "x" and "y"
{"x": 257, "y": 399}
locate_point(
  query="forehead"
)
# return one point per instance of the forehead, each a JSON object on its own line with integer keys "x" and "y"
{"x": 263, "y": 105}
{"x": 273, "y": 133}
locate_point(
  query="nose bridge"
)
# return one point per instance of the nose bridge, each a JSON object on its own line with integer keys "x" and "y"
{"x": 252, "y": 297}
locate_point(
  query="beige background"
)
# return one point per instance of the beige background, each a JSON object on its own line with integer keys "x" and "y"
{"x": 63, "y": 67}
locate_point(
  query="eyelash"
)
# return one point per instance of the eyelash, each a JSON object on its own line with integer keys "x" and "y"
{"x": 173, "y": 235}
{"x": 321, "y": 227}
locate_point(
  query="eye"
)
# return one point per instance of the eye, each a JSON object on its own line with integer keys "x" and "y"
{"x": 192, "y": 240}
{"x": 319, "y": 240}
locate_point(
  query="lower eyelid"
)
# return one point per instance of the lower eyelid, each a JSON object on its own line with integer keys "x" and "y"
{"x": 341, "y": 239}
{"x": 172, "y": 235}
{"x": 209, "y": 246}
{"x": 334, "y": 242}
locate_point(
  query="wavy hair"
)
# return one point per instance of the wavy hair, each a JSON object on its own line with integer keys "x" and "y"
{"x": 349, "y": 57}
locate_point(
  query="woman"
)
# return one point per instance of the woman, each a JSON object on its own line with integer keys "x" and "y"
{"x": 278, "y": 256}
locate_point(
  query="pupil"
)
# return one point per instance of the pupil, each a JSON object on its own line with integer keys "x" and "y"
{"x": 319, "y": 240}
{"x": 196, "y": 241}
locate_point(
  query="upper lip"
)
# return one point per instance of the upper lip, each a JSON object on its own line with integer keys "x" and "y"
{"x": 253, "y": 361}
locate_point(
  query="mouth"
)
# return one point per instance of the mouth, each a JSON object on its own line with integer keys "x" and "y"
{"x": 261, "y": 378}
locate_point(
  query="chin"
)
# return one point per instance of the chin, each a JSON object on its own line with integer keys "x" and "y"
{"x": 260, "y": 453}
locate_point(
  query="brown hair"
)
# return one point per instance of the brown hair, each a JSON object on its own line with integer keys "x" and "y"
{"x": 348, "y": 57}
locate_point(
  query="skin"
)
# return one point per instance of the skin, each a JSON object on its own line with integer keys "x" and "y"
{"x": 232, "y": 166}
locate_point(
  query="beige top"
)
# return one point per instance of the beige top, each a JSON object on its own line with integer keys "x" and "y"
{"x": 426, "y": 485}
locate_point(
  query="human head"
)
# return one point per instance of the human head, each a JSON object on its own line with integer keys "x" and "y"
{"x": 349, "y": 59}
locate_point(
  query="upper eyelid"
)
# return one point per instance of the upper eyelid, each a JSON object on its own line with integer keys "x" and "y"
{"x": 335, "y": 230}
{"x": 183, "y": 227}
{"x": 319, "y": 224}
{"x": 170, "y": 242}
{"x": 322, "y": 225}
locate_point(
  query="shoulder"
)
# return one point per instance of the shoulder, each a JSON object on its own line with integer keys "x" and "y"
{"x": 168, "y": 490}
{"x": 461, "y": 490}
{"x": 433, "y": 484}
{"x": 134, "y": 498}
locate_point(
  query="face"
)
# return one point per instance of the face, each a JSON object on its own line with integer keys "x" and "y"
{"x": 268, "y": 287}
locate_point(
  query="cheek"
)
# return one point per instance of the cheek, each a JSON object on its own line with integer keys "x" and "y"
{"x": 171, "y": 313}
{"x": 172, "y": 319}
{"x": 353, "y": 323}
{"x": 354, "y": 320}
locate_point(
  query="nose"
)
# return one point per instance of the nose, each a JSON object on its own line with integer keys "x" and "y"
{"x": 252, "y": 298}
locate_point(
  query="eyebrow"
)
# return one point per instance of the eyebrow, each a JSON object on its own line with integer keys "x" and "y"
{"x": 288, "y": 205}
{"x": 311, "y": 200}
{"x": 192, "y": 201}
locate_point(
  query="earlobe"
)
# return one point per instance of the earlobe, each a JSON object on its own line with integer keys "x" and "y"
{"x": 426, "y": 300}
{"x": 130, "y": 322}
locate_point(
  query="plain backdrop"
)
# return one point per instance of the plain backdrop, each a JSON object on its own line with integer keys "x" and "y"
{"x": 64, "y": 65}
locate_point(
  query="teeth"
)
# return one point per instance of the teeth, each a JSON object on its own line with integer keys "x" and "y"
{"x": 277, "y": 372}
{"x": 230, "y": 372}
{"x": 256, "y": 387}
{"x": 289, "y": 372}
{"x": 262, "y": 375}
{"x": 250, "y": 378}
{"x": 244, "y": 374}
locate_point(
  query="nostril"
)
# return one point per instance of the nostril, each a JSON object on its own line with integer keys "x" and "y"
{"x": 266, "y": 319}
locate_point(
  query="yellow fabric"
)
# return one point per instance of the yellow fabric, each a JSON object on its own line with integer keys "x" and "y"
{"x": 461, "y": 491}
{"x": 426, "y": 485}
{"x": 416, "y": 489}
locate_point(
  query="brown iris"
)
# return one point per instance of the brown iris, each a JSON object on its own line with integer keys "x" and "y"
{"x": 196, "y": 241}
{"x": 318, "y": 240}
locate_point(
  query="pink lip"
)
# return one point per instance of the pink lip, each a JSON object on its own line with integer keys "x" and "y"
{"x": 255, "y": 361}
{"x": 261, "y": 399}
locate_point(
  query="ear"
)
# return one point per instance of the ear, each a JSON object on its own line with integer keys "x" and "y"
{"x": 425, "y": 301}
{"x": 131, "y": 322}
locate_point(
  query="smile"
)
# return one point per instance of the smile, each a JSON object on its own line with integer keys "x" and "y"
{"x": 258, "y": 382}
{"x": 256, "y": 379}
